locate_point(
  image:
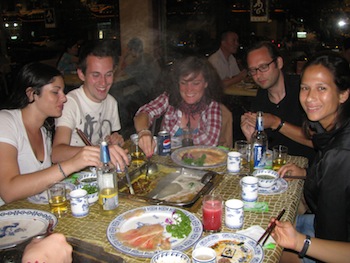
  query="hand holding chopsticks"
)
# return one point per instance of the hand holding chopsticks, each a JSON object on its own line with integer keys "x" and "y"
{"x": 269, "y": 230}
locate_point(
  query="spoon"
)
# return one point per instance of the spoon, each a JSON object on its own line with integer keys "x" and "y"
{"x": 151, "y": 168}
{"x": 128, "y": 180}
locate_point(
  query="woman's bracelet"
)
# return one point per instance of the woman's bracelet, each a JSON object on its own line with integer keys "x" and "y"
{"x": 61, "y": 170}
{"x": 144, "y": 132}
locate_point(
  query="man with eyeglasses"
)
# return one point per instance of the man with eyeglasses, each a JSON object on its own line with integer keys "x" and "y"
{"x": 225, "y": 63}
{"x": 278, "y": 98}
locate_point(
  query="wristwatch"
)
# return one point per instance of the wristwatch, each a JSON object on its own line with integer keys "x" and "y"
{"x": 307, "y": 243}
{"x": 279, "y": 126}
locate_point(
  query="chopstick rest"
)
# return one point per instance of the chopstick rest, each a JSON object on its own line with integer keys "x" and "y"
{"x": 269, "y": 230}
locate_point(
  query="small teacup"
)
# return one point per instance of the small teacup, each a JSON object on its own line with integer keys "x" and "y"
{"x": 249, "y": 188}
{"x": 79, "y": 203}
{"x": 204, "y": 255}
{"x": 233, "y": 162}
{"x": 234, "y": 213}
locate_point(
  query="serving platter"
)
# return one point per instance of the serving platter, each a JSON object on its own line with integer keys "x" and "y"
{"x": 248, "y": 248}
{"x": 18, "y": 225}
{"x": 150, "y": 215}
{"x": 279, "y": 187}
{"x": 215, "y": 157}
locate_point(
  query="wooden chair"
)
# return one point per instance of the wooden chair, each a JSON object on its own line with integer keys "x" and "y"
{"x": 226, "y": 133}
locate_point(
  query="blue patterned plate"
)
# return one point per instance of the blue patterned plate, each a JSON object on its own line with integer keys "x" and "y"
{"x": 19, "y": 225}
{"x": 248, "y": 248}
{"x": 279, "y": 187}
{"x": 138, "y": 217}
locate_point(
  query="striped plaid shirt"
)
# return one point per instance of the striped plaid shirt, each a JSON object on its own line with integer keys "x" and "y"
{"x": 209, "y": 123}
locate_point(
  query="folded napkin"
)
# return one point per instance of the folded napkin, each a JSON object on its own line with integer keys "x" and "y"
{"x": 255, "y": 232}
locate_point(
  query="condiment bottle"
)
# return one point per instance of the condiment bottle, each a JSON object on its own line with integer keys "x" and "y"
{"x": 107, "y": 181}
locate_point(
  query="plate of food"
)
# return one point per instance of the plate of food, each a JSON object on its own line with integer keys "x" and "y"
{"x": 233, "y": 247}
{"x": 18, "y": 225}
{"x": 200, "y": 157}
{"x": 144, "y": 231}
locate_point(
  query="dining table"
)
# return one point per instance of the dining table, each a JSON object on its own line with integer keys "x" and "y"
{"x": 92, "y": 228}
{"x": 246, "y": 89}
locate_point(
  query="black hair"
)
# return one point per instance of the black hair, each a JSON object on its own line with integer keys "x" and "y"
{"x": 34, "y": 75}
{"x": 100, "y": 48}
{"x": 339, "y": 67}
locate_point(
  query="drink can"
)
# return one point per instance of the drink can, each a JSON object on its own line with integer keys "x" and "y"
{"x": 156, "y": 148}
{"x": 164, "y": 143}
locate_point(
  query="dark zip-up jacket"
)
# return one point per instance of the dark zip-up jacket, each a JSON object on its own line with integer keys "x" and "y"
{"x": 327, "y": 185}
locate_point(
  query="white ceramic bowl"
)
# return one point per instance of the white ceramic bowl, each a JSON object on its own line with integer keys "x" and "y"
{"x": 170, "y": 256}
{"x": 92, "y": 198}
{"x": 267, "y": 177}
{"x": 87, "y": 178}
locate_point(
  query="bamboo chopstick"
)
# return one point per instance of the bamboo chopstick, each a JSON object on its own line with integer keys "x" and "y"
{"x": 83, "y": 137}
{"x": 268, "y": 231}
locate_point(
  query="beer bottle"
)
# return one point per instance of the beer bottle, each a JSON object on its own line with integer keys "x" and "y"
{"x": 259, "y": 145}
{"x": 107, "y": 181}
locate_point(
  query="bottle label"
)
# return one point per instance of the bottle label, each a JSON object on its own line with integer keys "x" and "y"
{"x": 259, "y": 157}
{"x": 108, "y": 198}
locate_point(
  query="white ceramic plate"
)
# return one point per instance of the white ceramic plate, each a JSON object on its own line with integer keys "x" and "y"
{"x": 19, "y": 225}
{"x": 151, "y": 215}
{"x": 249, "y": 243}
{"x": 279, "y": 187}
{"x": 42, "y": 199}
{"x": 170, "y": 256}
{"x": 176, "y": 156}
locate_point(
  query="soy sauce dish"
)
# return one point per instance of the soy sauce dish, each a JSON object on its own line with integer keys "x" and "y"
{"x": 266, "y": 177}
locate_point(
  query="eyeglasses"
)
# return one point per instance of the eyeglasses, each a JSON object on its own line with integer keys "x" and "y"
{"x": 261, "y": 68}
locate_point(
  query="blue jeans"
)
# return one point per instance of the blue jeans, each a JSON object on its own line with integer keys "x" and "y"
{"x": 305, "y": 225}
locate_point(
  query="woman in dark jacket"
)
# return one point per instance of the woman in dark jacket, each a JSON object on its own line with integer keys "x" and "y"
{"x": 324, "y": 96}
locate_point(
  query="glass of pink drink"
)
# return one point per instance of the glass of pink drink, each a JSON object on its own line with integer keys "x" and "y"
{"x": 212, "y": 213}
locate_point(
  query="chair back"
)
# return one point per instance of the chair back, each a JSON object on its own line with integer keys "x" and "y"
{"x": 226, "y": 133}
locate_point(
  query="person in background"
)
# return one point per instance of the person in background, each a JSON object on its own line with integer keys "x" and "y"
{"x": 191, "y": 101}
{"x": 67, "y": 63}
{"x": 90, "y": 108}
{"x": 225, "y": 63}
{"x": 324, "y": 95}
{"x": 141, "y": 66}
{"x": 25, "y": 136}
{"x": 326, "y": 250}
{"x": 278, "y": 98}
{"x": 53, "y": 248}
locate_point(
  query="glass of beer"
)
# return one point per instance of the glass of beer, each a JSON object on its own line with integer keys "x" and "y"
{"x": 279, "y": 156}
{"x": 57, "y": 199}
{"x": 137, "y": 155}
{"x": 242, "y": 147}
